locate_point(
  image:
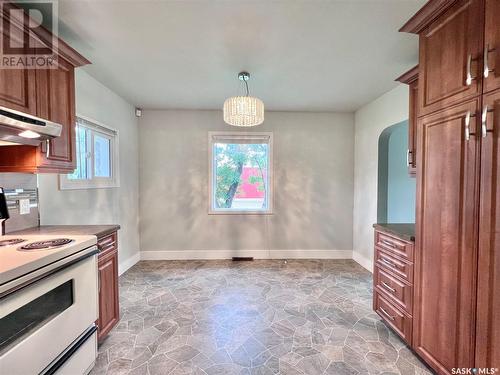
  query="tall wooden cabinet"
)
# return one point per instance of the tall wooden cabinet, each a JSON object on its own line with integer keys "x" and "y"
{"x": 488, "y": 296}
{"x": 446, "y": 253}
{"x": 456, "y": 321}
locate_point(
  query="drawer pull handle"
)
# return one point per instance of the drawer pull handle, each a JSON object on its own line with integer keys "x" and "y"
{"x": 390, "y": 244}
{"x": 388, "y": 287}
{"x": 389, "y": 263}
{"x": 387, "y": 314}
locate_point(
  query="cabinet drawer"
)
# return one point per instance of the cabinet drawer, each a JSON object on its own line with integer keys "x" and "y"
{"x": 393, "y": 265}
{"x": 394, "y": 245}
{"x": 107, "y": 244}
{"x": 398, "y": 292}
{"x": 398, "y": 320}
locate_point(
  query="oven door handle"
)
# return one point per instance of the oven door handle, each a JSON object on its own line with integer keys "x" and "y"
{"x": 26, "y": 280}
{"x": 63, "y": 358}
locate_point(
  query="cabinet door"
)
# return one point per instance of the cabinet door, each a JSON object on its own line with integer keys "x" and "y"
{"x": 492, "y": 46}
{"x": 450, "y": 52}
{"x": 17, "y": 90}
{"x": 446, "y": 241}
{"x": 488, "y": 297}
{"x": 56, "y": 102}
{"x": 108, "y": 293}
{"x": 412, "y": 128}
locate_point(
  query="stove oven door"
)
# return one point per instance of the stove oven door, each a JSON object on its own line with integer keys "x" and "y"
{"x": 40, "y": 321}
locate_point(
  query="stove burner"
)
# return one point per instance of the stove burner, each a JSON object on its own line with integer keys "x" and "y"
{"x": 13, "y": 241}
{"x": 48, "y": 244}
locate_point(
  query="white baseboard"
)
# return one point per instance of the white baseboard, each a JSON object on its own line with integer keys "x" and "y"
{"x": 363, "y": 261}
{"x": 127, "y": 263}
{"x": 257, "y": 254}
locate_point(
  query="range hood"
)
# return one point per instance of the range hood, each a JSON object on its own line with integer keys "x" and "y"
{"x": 21, "y": 128}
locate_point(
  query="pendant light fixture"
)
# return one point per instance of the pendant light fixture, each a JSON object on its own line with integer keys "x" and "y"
{"x": 244, "y": 110}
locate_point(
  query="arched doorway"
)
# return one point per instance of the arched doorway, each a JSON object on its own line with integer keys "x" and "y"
{"x": 396, "y": 189}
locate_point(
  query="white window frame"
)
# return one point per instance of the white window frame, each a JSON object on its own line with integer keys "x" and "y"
{"x": 236, "y": 135}
{"x": 95, "y": 182}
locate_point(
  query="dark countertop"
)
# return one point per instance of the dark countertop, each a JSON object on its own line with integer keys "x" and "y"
{"x": 97, "y": 230}
{"x": 404, "y": 231}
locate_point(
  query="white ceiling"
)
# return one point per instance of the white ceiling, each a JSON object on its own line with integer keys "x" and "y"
{"x": 302, "y": 55}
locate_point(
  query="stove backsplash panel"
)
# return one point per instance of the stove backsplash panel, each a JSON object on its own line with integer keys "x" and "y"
{"x": 21, "y": 190}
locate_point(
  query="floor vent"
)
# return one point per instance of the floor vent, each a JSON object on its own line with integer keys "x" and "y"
{"x": 242, "y": 259}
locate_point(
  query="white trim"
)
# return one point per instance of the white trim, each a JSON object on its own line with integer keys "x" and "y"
{"x": 124, "y": 265}
{"x": 96, "y": 124}
{"x": 257, "y": 254}
{"x": 363, "y": 261}
{"x": 268, "y": 136}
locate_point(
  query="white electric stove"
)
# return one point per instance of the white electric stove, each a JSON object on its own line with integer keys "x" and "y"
{"x": 48, "y": 304}
{"x": 20, "y": 255}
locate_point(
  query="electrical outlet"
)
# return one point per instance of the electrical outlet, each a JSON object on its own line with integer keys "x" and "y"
{"x": 24, "y": 206}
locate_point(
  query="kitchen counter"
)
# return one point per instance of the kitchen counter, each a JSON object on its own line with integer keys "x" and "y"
{"x": 76, "y": 230}
{"x": 405, "y": 231}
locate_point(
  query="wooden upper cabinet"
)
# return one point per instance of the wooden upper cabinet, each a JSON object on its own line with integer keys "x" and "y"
{"x": 56, "y": 102}
{"x": 411, "y": 79}
{"x": 492, "y": 46}
{"x": 488, "y": 297}
{"x": 17, "y": 90}
{"x": 48, "y": 94}
{"x": 450, "y": 56}
{"x": 446, "y": 237}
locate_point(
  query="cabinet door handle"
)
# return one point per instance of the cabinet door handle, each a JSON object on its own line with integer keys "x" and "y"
{"x": 469, "y": 78}
{"x": 408, "y": 157}
{"x": 387, "y": 314}
{"x": 484, "y": 120}
{"x": 468, "y": 133}
{"x": 388, "y": 287}
{"x": 48, "y": 149}
{"x": 486, "y": 68}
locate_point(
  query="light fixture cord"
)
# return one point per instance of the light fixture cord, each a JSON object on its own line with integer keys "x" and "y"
{"x": 246, "y": 85}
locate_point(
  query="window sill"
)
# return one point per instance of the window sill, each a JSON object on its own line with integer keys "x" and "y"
{"x": 64, "y": 184}
{"x": 214, "y": 212}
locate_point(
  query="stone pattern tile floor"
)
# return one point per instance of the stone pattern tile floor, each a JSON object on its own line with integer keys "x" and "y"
{"x": 262, "y": 317}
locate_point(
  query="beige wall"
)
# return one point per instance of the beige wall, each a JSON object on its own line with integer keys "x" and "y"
{"x": 101, "y": 206}
{"x": 313, "y": 179}
{"x": 370, "y": 120}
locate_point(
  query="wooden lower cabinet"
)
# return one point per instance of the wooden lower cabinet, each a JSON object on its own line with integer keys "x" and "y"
{"x": 393, "y": 283}
{"x": 488, "y": 291}
{"x": 109, "y": 312}
{"x": 446, "y": 237}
